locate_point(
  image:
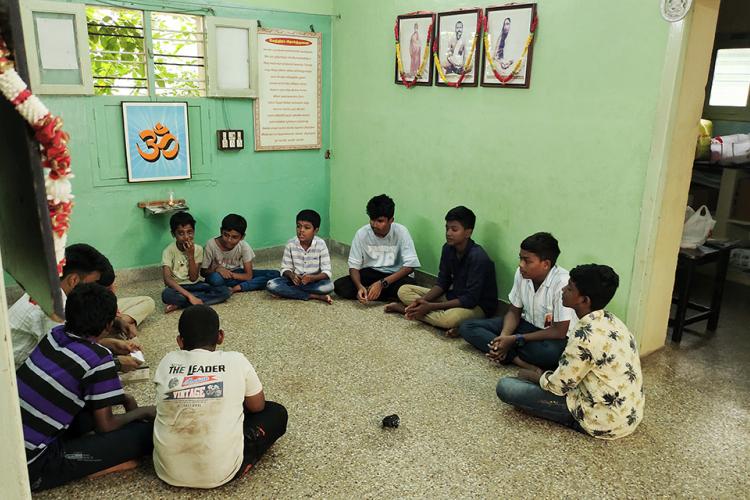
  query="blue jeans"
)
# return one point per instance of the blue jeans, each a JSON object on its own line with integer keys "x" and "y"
{"x": 534, "y": 400}
{"x": 257, "y": 282}
{"x": 542, "y": 353}
{"x": 207, "y": 293}
{"x": 283, "y": 287}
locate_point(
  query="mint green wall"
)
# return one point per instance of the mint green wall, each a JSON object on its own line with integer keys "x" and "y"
{"x": 268, "y": 188}
{"x": 568, "y": 155}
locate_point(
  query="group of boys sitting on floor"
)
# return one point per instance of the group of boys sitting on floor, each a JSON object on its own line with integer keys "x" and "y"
{"x": 579, "y": 363}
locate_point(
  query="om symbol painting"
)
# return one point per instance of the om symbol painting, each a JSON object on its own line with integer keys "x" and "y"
{"x": 156, "y": 141}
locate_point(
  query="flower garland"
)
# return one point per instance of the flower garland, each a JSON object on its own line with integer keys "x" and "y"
{"x": 409, "y": 84}
{"x": 54, "y": 149}
{"x": 487, "y": 53}
{"x": 469, "y": 61}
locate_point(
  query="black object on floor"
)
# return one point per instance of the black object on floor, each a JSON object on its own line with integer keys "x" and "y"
{"x": 391, "y": 421}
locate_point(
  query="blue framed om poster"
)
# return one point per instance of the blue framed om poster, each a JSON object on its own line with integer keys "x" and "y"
{"x": 156, "y": 141}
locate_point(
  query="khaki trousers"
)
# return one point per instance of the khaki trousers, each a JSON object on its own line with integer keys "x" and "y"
{"x": 446, "y": 318}
{"x": 136, "y": 307}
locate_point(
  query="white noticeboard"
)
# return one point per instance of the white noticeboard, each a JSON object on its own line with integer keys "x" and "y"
{"x": 287, "y": 110}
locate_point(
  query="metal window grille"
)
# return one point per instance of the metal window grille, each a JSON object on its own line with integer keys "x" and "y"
{"x": 179, "y": 54}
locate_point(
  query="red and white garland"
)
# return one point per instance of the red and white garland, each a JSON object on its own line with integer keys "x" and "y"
{"x": 54, "y": 149}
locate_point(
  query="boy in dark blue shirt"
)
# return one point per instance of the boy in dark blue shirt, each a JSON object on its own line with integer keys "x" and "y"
{"x": 465, "y": 288}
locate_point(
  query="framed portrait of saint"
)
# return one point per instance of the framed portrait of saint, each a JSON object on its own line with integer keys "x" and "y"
{"x": 414, "y": 62}
{"x": 508, "y": 46}
{"x": 156, "y": 140}
{"x": 458, "y": 41}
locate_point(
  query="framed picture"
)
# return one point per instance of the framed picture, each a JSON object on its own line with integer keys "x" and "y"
{"x": 508, "y": 46}
{"x": 458, "y": 32}
{"x": 156, "y": 141}
{"x": 415, "y": 32}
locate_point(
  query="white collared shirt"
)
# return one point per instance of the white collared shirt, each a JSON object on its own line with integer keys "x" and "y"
{"x": 314, "y": 260}
{"x": 28, "y": 325}
{"x": 547, "y": 299}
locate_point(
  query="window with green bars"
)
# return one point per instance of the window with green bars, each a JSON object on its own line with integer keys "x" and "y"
{"x": 164, "y": 56}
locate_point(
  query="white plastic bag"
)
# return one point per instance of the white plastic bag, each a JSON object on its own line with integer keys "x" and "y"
{"x": 698, "y": 225}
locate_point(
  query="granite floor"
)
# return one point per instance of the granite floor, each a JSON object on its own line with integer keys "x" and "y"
{"x": 339, "y": 369}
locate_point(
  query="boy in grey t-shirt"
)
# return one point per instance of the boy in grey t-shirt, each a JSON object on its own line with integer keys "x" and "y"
{"x": 228, "y": 259}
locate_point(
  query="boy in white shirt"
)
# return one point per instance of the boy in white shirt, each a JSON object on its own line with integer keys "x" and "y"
{"x": 228, "y": 259}
{"x": 306, "y": 264}
{"x": 598, "y": 385}
{"x": 382, "y": 257}
{"x": 213, "y": 422}
{"x": 533, "y": 332}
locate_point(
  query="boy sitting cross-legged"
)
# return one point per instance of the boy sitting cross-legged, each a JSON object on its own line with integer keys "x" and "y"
{"x": 382, "y": 257}
{"x": 213, "y": 422}
{"x": 67, "y": 388}
{"x": 228, "y": 260}
{"x": 306, "y": 265}
{"x": 533, "y": 332}
{"x": 180, "y": 263}
{"x": 598, "y": 385}
{"x": 465, "y": 287}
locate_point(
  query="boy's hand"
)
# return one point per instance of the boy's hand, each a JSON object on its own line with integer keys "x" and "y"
{"x": 190, "y": 249}
{"x": 373, "y": 292}
{"x": 149, "y": 412}
{"x": 307, "y": 279}
{"x": 362, "y": 295}
{"x": 224, "y": 272}
{"x": 129, "y": 403}
{"x": 499, "y": 347}
{"x": 128, "y": 363}
{"x": 417, "y": 309}
{"x": 194, "y": 300}
{"x": 128, "y": 326}
{"x": 296, "y": 279}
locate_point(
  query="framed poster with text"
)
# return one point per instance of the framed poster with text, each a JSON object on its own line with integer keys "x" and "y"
{"x": 287, "y": 110}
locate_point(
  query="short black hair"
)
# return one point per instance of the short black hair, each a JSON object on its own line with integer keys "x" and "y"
{"x": 543, "y": 245}
{"x": 181, "y": 219}
{"x": 89, "y": 310}
{"x": 597, "y": 282}
{"x": 83, "y": 259}
{"x": 381, "y": 206}
{"x": 234, "y": 222}
{"x": 107, "y": 276}
{"x": 462, "y": 215}
{"x": 311, "y": 216}
{"x": 198, "y": 327}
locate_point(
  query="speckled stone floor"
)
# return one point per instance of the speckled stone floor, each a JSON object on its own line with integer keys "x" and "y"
{"x": 339, "y": 369}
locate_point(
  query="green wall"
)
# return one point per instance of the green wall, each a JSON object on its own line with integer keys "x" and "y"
{"x": 567, "y": 156}
{"x": 267, "y": 188}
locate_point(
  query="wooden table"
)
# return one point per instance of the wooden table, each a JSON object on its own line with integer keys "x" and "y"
{"x": 688, "y": 261}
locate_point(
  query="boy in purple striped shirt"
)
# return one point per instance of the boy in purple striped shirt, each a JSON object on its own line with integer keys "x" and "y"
{"x": 67, "y": 388}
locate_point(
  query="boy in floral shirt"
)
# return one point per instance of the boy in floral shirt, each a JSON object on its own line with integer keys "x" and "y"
{"x": 598, "y": 386}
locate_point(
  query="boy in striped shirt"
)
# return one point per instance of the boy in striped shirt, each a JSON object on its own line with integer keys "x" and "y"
{"x": 306, "y": 265}
{"x": 67, "y": 388}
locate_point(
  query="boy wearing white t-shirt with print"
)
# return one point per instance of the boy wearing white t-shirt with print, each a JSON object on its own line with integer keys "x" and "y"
{"x": 212, "y": 420}
{"x": 533, "y": 332}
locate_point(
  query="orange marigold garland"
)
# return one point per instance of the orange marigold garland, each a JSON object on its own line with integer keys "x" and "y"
{"x": 504, "y": 79}
{"x": 54, "y": 149}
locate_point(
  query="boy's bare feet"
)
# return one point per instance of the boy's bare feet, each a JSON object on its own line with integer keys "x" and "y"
{"x": 168, "y": 308}
{"x": 236, "y": 289}
{"x": 452, "y": 333}
{"x": 129, "y": 465}
{"x": 395, "y": 307}
{"x": 324, "y": 298}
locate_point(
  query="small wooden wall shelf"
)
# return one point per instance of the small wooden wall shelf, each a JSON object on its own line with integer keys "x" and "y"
{"x": 162, "y": 206}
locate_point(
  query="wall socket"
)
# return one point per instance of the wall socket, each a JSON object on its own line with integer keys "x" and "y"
{"x": 230, "y": 139}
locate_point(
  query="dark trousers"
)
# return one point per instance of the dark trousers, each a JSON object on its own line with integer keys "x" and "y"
{"x": 261, "y": 430}
{"x": 344, "y": 287}
{"x": 78, "y": 453}
{"x": 543, "y": 353}
{"x": 534, "y": 400}
{"x": 209, "y": 294}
